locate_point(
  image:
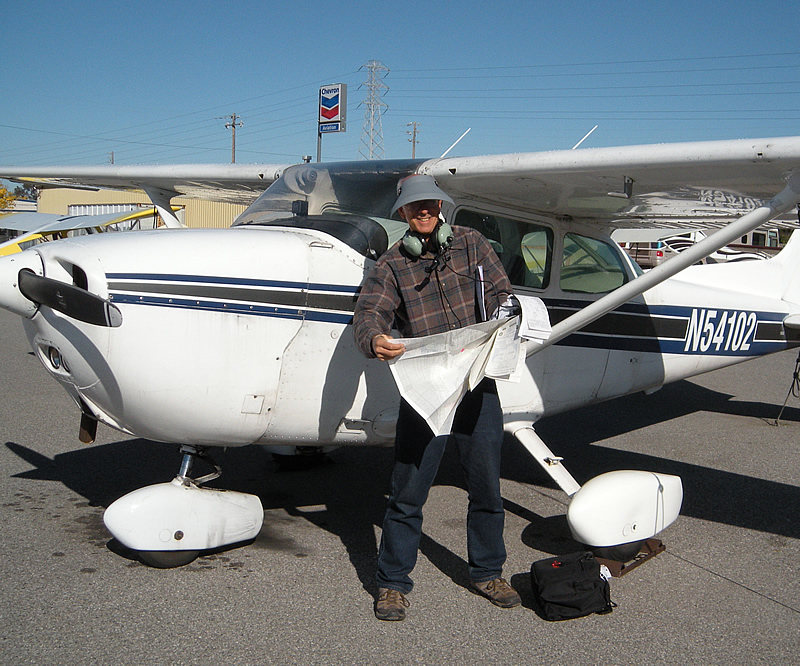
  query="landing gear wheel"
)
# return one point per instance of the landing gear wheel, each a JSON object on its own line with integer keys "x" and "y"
{"x": 167, "y": 559}
{"x": 620, "y": 553}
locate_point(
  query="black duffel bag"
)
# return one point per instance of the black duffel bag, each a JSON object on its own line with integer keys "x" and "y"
{"x": 570, "y": 586}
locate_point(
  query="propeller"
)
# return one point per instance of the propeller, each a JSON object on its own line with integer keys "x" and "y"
{"x": 68, "y": 299}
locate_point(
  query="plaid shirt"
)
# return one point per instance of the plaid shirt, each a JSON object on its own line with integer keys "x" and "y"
{"x": 399, "y": 293}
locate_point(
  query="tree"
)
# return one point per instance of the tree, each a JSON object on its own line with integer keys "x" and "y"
{"x": 27, "y": 192}
{"x": 6, "y": 199}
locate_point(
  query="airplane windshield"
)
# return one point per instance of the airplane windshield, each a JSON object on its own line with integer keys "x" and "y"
{"x": 322, "y": 195}
{"x": 320, "y": 188}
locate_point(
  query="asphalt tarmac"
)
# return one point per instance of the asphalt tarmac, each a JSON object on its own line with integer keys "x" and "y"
{"x": 726, "y": 590}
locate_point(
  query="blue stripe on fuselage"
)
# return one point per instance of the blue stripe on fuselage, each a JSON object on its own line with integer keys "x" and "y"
{"x": 634, "y": 327}
{"x": 673, "y": 329}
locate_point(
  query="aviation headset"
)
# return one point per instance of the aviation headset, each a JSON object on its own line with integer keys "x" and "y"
{"x": 421, "y": 187}
{"x": 438, "y": 242}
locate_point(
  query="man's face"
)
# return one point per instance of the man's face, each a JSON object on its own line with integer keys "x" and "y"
{"x": 422, "y": 216}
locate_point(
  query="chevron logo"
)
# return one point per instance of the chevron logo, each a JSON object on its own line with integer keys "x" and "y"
{"x": 329, "y": 106}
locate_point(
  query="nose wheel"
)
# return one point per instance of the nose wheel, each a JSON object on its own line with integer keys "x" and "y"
{"x": 167, "y": 559}
{"x": 170, "y": 559}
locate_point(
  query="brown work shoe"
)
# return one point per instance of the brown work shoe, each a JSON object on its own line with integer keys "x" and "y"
{"x": 499, "y": 592}
{"x": 391, "y": 604}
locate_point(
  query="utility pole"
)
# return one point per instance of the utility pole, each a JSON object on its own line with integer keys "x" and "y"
{"x": 372, "y": 134}
{"x": 413, "y": 132}
{"x": 232, "y": 125}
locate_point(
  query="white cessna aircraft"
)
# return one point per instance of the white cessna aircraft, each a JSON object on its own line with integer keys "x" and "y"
{"x": 258, "y": 316}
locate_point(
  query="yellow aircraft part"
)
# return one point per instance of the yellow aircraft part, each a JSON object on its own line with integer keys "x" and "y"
{"x": 13, "y": 246}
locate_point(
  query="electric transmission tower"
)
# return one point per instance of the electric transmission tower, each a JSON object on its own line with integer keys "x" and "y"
{"x": 372, "y": 134}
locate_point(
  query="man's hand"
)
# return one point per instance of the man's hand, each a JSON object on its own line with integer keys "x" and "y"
{"x": 385, "y": 348}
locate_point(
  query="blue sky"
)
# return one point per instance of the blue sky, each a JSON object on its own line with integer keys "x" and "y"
{"x": 153, "y": 82}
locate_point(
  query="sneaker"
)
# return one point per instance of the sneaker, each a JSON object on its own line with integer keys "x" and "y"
{"x": 499, "y": 592}
{"x": 391, "y": 605}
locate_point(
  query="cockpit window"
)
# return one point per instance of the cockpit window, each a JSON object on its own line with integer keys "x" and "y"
{"x": 590, "y": 265}
{"x": 525, "y": 249}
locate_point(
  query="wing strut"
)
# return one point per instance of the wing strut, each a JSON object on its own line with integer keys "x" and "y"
{"x": 782, "y": 203}
{"x": 550, "y": 462}
{"x": 161, "y": 200}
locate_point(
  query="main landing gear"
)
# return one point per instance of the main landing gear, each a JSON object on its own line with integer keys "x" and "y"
{"x": 615, "y": 514}
{"x": 168, "y": 524}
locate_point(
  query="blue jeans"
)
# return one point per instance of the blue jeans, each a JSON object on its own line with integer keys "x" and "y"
{"x": 478, "y": 434}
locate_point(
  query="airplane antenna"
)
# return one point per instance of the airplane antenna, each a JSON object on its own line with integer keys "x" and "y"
{"x": 457, "y": 140}
{"x": 584, "y": 138}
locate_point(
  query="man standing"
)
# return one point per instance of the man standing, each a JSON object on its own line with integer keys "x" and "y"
{"x": 423, "y": 285}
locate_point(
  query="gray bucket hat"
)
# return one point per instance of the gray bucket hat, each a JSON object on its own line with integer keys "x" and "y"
{"x": 418, "y": 187}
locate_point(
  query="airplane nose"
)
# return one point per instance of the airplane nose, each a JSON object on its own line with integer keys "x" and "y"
{"x": 23, "y": 288}
{"x": 11, "y": 298}
{"x": 69, "y": 299}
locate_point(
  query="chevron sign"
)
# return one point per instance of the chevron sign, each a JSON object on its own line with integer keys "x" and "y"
{"x": 333, "y": 104}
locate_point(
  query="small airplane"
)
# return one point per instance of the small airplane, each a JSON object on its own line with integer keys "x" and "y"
{"x": 258, "y": 315}
{"x": 40, "y": 227}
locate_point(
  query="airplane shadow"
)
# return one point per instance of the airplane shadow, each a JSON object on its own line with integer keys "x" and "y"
{"x": 346, "y": 495}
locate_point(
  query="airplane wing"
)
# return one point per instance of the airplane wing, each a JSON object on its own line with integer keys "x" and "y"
{"x": 631, "y": 186}
{"x": 736, "y": 185}
{"x": 37, "y": 225}
{"x": 679, "y": 185}
{"x": 227, "y": 183}
{"x": 55, "y": 223}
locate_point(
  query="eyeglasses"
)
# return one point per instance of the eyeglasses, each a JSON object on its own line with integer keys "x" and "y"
{"x": 425, "y": 203}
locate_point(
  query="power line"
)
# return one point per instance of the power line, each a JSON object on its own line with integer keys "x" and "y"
{"x": 602, "y": 63}
{"x": 514, "y": 93}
